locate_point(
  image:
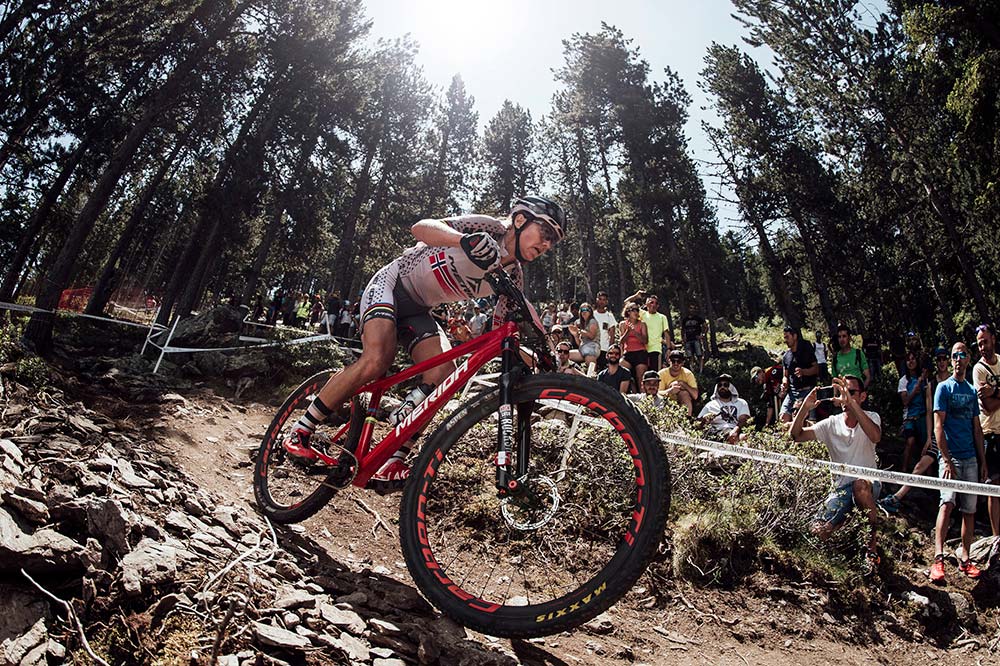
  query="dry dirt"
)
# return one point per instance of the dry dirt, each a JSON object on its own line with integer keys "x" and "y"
{"x": 211, "y": 439}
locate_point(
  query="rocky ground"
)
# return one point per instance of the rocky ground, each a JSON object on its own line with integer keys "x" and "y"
{"x": 128, "y": 534}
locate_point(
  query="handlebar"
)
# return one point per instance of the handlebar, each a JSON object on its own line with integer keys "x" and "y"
{"x": 521, "y": 311}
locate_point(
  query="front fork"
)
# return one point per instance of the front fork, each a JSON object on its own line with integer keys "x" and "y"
{"x": 508, "y": 480}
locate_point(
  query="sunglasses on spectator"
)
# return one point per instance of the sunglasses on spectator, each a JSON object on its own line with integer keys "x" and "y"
{"x": 984, "y": 327}
{"x": 585, "y": 310}
{"x": 960, "y": 355}
{"x": 724, "y": 384}
{"x": 676, "y": 360}
{"x": 563, "y": 351}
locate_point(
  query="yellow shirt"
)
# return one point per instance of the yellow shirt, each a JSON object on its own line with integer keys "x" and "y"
{"x": 655, "y": 325}
{"x": 686, "y": 376}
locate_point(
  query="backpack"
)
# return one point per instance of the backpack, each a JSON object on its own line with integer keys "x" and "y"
{"x": 857, "y": 361}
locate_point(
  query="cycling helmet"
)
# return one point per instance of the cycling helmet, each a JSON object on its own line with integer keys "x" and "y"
{"x": 546, "y": 210}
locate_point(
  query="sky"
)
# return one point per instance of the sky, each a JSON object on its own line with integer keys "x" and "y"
{"x": 508, "y": 49}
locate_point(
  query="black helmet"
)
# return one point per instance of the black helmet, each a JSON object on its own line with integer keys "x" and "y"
{"x": 540, "y": 208}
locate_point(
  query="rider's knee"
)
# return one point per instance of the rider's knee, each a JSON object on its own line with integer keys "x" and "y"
{"x": 373, "y": 366}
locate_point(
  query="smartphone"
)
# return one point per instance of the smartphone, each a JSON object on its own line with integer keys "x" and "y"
{"x": 824, "y": 393}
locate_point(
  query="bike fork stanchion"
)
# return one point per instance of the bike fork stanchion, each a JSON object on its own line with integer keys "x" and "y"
{"x": 506, "y": 484}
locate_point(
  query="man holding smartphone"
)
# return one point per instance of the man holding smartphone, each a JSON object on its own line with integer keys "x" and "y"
{"x": 850, "y": 437}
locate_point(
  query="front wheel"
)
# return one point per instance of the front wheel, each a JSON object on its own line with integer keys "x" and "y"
{"x": 592, "y": 514}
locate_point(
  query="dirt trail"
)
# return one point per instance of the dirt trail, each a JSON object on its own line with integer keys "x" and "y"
{"x": 211, "y": 440}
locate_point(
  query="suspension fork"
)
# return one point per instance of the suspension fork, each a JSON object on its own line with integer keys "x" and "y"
{"x": 510, "y": 371}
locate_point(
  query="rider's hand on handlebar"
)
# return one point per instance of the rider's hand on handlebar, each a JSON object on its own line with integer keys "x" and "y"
{"x": 482, "y": 250}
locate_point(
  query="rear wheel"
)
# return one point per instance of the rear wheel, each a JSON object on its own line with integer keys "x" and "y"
{"x": 593, "y": 513}
{"x": 288, "y": 488}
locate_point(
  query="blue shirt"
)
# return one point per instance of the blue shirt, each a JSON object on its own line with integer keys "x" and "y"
{"x": 960, "y": 405}
{"x": 917, "y": 407}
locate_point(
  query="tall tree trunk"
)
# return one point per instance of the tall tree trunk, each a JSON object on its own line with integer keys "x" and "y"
{"x": 107, "y": 281}
{"x": 589, "y": 247}
{"x": 345, "y": 248}
{"x": 275, "y": 220}
{"x": 38, "y": 332}
{"x": 815, "y": 267}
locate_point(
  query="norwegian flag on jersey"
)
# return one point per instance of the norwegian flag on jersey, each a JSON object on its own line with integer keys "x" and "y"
{"x": 439, "y": 266}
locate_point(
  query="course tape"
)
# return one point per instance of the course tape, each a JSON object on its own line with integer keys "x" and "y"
{"x": 869, "y": 473}
{"x": 29, "y": 308}
{"x": 194, "y": 350}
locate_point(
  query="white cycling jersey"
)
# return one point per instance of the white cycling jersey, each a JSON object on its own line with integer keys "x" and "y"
{"x": 431, "y": 276}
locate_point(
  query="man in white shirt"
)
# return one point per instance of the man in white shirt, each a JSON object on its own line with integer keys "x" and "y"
{"x": 726, "y": 414}
{"x": 607, "y": 324}
{"x": 850, "y": 437}
{"x": 477, "y": 322}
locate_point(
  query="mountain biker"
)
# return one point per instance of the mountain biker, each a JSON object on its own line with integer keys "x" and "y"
{"x": 446, "y": 265}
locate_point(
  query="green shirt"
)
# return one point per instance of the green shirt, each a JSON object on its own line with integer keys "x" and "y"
{"x": 846, "y": 363}
{"x": 655, "y": 325}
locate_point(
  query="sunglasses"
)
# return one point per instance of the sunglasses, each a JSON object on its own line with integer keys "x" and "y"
{"x": 984, "y": 327}
{"x": 548, "y": 231}
{"x": 563, "y": 351}
{"x": 585, "y": 310}
{"x": 724, "y": 384}
{"x": 960, "y": 355}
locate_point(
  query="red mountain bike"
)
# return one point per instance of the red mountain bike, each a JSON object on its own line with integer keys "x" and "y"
{"x": 531, "y": 508}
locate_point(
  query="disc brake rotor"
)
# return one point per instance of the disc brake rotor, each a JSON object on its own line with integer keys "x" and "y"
{"x": 535, "y": 507}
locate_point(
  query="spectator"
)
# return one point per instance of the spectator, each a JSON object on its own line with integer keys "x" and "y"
{"x": 614, "y": 375}
{"x": 632, "y": 334}
{"x": 914, "y": 391}
{"x": 800, "y": 368}
{"x": 693, "y": 331}
{"x": 986, "y": 380}
{"x": 274, "y": 310}
{"x": 960, "y": 439}
{"x": 316, "y": 311}
{"x": 564, "y": 316}
{"x": 658, "y": 329}
{"x": 679, "y": 383}
{"x": 549, "y": 316}
{"x": 303, "y": 308}
{"x": 770, "y": 380}
{"x": 478, "y": 321}
{"x": 587, "y": 335}
{"x": 608, "y": 325}
{"x": 649, "y": 390}
{"x": 344, "y": 321}
{"x": 726, "y": 414}
{"x": 566, "y": 366}
{"x": 850, "y": 361}
{"x": 458, "y": 330}
{"x": 258, "y": 307}
{"x": 873, "y": 352}
{"x": 332, "y": 309}
{"x": 929, "y": 454}
{"x": 820, "y": 349}
{"x": 850, "y": 438}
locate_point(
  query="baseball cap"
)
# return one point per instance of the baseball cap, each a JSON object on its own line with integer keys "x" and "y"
{"x": 754, "y": 370}
{"x": 650, "y": 375}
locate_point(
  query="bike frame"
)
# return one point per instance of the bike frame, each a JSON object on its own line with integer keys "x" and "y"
{"x": 502, "y": 341}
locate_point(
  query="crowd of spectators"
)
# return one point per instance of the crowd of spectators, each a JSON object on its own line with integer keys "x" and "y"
{"x": 816, "y": 391}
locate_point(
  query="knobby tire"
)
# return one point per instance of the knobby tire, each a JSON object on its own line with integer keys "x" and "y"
{"x": 304, "y": 489}
{"x": 537, "y": 572}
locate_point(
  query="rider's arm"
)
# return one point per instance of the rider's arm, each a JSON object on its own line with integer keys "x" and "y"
{"x": 436, "y": 233}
